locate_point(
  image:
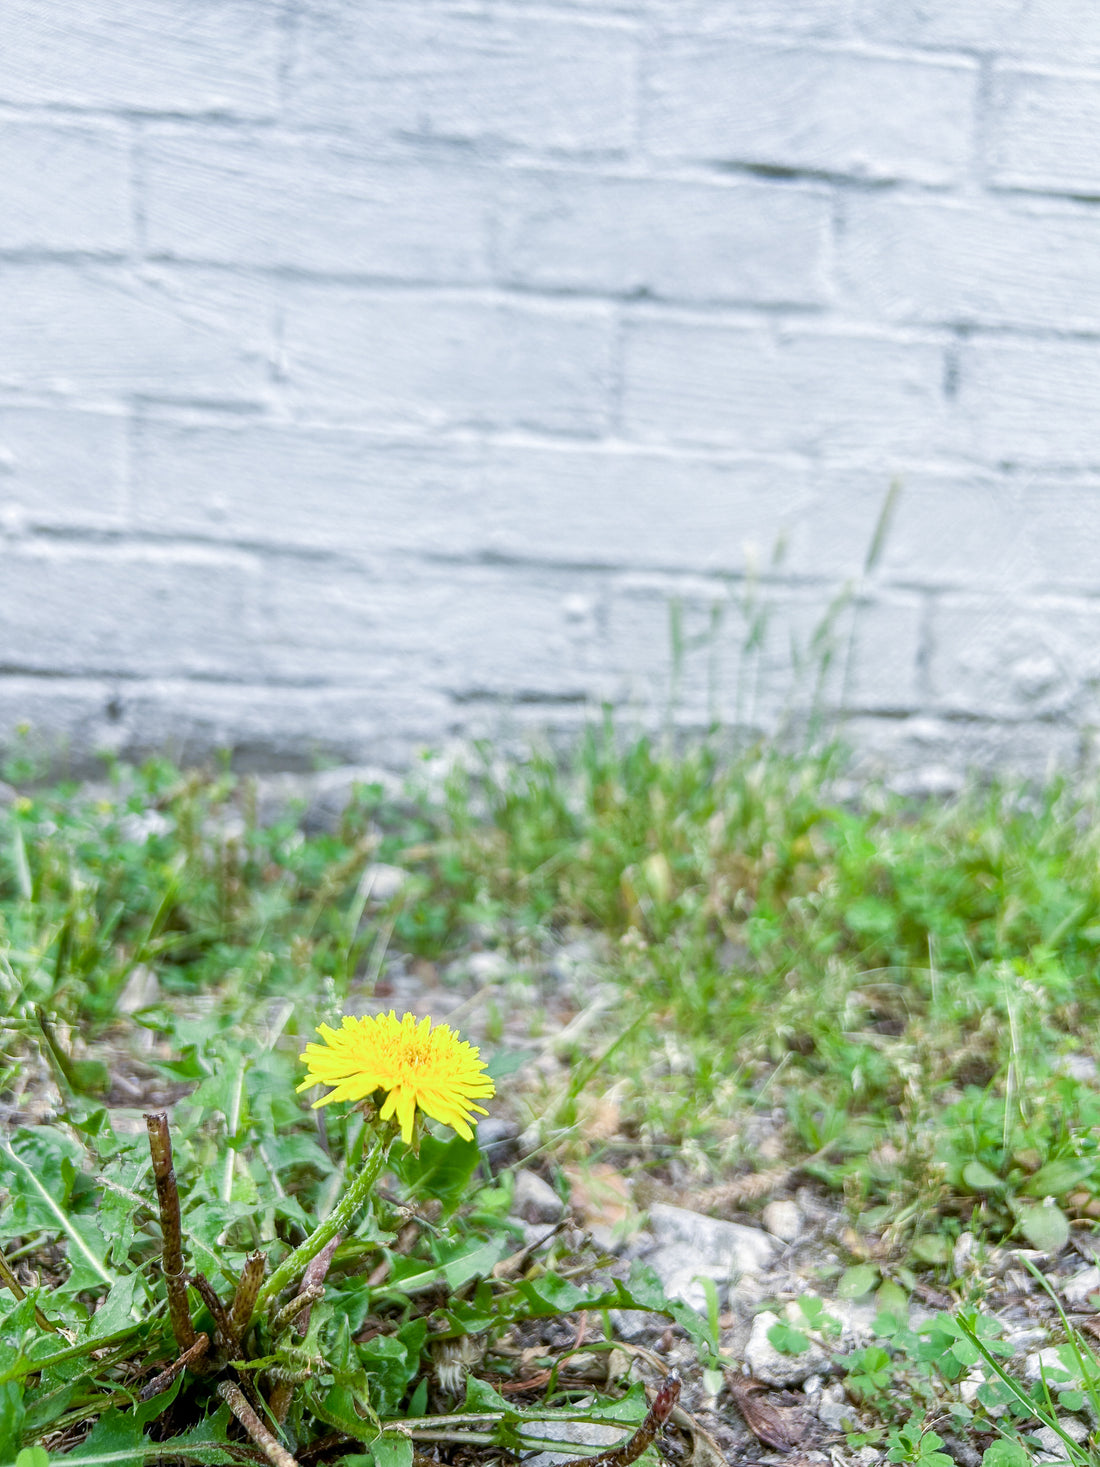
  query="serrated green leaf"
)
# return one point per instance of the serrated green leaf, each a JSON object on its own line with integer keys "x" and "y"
{"x": 481, "y": 1396}
{"x": 443, "y": 1170}
{"x": 115, "y": 1313}
{"x": 392, "y": 1449}
{"x": 386, "y": 1361}
{"x": 12, "y": 1414}
{"x": 86, "y": 1247}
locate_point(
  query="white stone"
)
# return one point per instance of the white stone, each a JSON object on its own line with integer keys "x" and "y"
{"x": 578, "y": 1433}
{"x": 771, "y": 1365}
{"x": 488, "y": 967}
{"x": 1077, "y": 1290}
{"x": 962, "y": 1253}
{"x": 383, "y": 882}
{"x": 1049, "y": 1364}
{"x": 535, "y": 1200}
{"x": 680, "y": 1267}
{"x": 730, "y": 1246}
{"x": 834, "y": 1408}
{"x": 1052, "y": 1442}
{"x": 782, "y": 1219}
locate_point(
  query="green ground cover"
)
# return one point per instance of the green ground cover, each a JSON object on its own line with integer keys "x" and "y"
{"x": 784, "y": 980}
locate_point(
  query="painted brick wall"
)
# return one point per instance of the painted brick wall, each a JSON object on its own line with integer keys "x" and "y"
{"x": 376, "y": 373}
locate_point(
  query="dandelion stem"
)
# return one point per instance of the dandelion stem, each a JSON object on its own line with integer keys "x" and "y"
{"x": 336, "y": 1222}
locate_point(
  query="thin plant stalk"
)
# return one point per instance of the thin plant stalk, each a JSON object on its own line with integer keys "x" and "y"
{"x": 271, "y": 1447}
{"x": 337, "y": 1221}
{"x": 168, "y": 1200}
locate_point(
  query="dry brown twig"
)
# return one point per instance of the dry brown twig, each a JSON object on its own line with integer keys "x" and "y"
{"x": 271, "y": 1447}
{"x": 168, "y": 1201}
{"x": 189, "y": 1357}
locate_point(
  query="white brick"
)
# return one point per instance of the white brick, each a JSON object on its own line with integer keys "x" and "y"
{"x": 1003, "y": 658}
{"x": 316, "y": 206}
{"x": 1032, "y": 401}
{"x": 964, "y": 529}
{"x": 640, "y": 668}
{"x": 946, "y": 528}
{"x": 964, "y": 263}
{"x": 57, "y": 724}
{"x": 753, "y": 658}
{"x": 145, "y": 55}
{"x": 60, "y": 469}
{"x": 313, "y": 488}
{"x": 389, "y": 69}
{"x": 921, "y": 755}
{"x": 1066, "y": 29}
{"x": 437, "y": 360}
{"x": 722, "y": 18}
{"x": 610, "y": 505}
{"x": 1043, "y": 130}
{"x": 382, "y": 718}
{"x": 81, "y": 612}
{"x": 475, "y": 631}
{"x": 806, "y": 392}
{"x": 736, "y": 101}
{"x": 1061, "y": 515}
{"x": 106, "y": 331}
{"x": 879, "y": 669}
{"x": 751, "y": 242}
{"x": 620, "y": 507}
{"x": 64, "y": 188}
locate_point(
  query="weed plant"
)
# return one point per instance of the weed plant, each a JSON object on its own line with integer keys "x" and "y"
{"x": 893, "y": 998}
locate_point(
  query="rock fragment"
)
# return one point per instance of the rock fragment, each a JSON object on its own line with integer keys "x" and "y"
{"x": 783, "y": 1220}
{"x": 774, "y": 1367}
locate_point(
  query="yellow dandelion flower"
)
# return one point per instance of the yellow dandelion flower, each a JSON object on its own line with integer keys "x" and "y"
{"x": 415, "y": 1064}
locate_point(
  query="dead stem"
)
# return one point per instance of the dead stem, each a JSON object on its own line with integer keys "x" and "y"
{"x": 272, "y": 1449}
{"x": 244, "y": 1300}
{"x": 313, "y": 1278}
{"x": 663, "y": 1402}
{"x": 294, "y": 1307}
{"x": 215, "y": 1305}
{"x": 189, "y": 1357}
{"x": 168, "y": 1200}
{"x": 310, "y": 1292}
{"x": 8, "y": 1279}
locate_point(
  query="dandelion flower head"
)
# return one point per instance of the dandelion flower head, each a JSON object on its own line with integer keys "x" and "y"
{"x": 413, "y": 1063}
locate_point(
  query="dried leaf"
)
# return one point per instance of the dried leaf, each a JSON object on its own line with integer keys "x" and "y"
{"x": 778, "y": 1418}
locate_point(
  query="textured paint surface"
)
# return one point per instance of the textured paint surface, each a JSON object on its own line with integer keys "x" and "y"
{"x": 376, "y": 374}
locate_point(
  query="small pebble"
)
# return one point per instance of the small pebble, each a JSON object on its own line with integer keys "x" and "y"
{"x": 771, "y": 1365}
{"x": 783, "y": 1220}
{"x": 834, "y": 1408}
{"x": 1078, "y": 1289}
{"x": 535, "y": 1200}
{"x": 385, "y": 881}
{"x": 963, "y": 1253}
{"x": 487, "y": 967}
{"x": 1048, "y": 1363}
